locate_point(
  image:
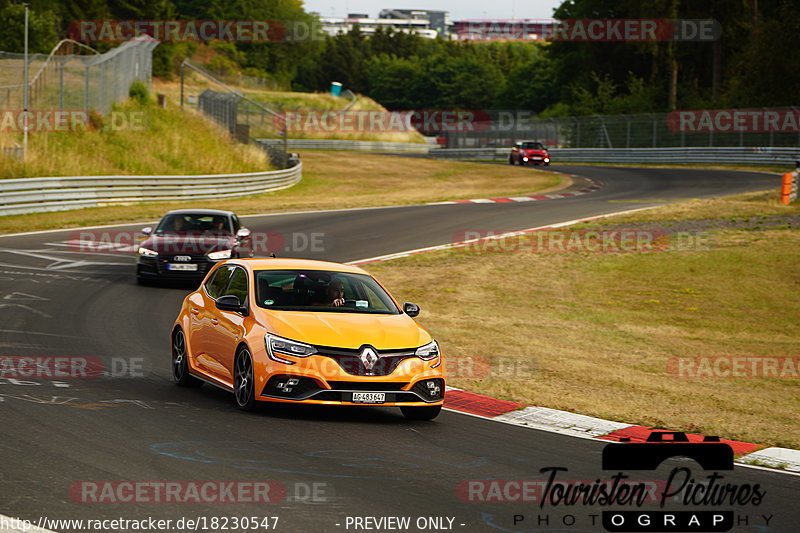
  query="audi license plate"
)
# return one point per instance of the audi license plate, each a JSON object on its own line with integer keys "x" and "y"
{"x": 182, "y": 266}
{"x": 369, "y": 397}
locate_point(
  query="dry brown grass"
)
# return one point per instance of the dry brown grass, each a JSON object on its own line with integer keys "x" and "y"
{"x": 291, "y": 101}
{"x": 598, "y": 330}
{"x": 170, "y": 142}
{"x": 332, "y": 180}
{"x": 763, "y": 203}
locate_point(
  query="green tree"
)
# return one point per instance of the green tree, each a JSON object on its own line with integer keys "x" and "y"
{"x": 42, "y": 29}
{"x": 388, "y": 79}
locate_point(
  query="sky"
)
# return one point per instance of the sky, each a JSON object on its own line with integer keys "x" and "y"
{"x": 459, "y": 9}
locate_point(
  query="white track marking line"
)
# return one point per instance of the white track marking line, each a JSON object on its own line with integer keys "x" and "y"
{"x": 58, "y": 263}
{"x": 397, "y": 255}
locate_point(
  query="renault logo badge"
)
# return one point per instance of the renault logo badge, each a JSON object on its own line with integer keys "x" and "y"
{"x": 368, "y": 357}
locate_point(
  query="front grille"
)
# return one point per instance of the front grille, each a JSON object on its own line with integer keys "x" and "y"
{"x": 288, "y": 386}
{"x": 368, "y": 386}
{"x": 391, "y": 397}
{"x": 351, "y": 363}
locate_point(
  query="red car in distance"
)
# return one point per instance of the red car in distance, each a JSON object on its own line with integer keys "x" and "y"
{"x": 525, "y": 152}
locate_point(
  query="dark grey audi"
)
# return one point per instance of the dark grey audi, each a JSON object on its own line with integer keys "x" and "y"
{"x": 186, "y": 243}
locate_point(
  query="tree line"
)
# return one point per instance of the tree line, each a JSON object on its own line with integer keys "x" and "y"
{"x": 755, "y": 62}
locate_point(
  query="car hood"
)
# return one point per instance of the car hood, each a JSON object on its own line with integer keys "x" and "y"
{"x": 347, "y": 330}
{"x": 187, "y": 243}
{"x": 532, "y": 151}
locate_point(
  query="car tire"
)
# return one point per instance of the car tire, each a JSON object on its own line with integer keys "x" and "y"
{"x": 180, "y": 361}
{"x": 243, "y": 382}
{"x": 511, "y": 161}
{"x": 428, "y": 412}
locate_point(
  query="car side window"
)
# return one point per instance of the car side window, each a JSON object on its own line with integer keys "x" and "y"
{"x": 218, "y": 282}
{"x": 238, "y": 285}
{"x": 236, "y": 224}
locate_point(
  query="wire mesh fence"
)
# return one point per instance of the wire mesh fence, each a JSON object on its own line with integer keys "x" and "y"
{"x": 75, "y": 77}
{"x": 235, "y": 111}
{"x": 681, "y": 129}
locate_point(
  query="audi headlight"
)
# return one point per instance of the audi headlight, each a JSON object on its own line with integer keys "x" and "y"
{"x": 428, "y": 352}
{"x": 276, "y": 345}
{"x": 146, "y": 252}
{"x": 222, "y": 254}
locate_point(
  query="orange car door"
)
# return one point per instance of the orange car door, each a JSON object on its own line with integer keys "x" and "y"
{"x": 228, "y": 326}
{"x": 203, "y": 318}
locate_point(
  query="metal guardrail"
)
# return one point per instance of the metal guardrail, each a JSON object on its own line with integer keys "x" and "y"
{"x": 360, "y": 146}
{"x": 672, "y": 156}
{"x": 37, "y": 195}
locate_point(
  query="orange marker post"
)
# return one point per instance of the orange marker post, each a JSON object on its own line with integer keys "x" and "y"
{"x": 789, "y": 188}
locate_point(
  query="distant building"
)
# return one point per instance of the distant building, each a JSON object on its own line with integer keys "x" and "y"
{"x": 502, "y": 30}
{"x": 437, "y": 20}
{"x": 336, "y": 26}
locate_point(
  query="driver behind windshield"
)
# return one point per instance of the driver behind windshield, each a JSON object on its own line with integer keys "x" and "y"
{"x": 218, "y": 225}
{"x": 178, "y": 224}
{"x": 333, "y": 295}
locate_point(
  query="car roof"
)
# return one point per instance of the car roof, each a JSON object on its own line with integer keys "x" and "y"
{"x": 260, "y": 263}
{"x": 198, "y": 212}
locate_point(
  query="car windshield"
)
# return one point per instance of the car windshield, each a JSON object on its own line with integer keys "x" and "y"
{"x": 532, "y": 146}
{"x": 194, "y": 223}
{"x": 322, "y": 291}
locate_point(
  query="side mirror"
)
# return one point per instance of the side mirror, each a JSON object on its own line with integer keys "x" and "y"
{"x": 410, "y": 309}
{"x": 147, "y": 231}
{"x": 243, "y": 233}
{"x": 230, "y": 302}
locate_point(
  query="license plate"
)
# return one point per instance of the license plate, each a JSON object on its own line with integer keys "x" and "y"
{"x": 369, "y": 397}
{"x": 182, "y": 266}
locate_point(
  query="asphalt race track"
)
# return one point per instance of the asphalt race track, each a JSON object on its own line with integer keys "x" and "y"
{"x": 332, "y": 463}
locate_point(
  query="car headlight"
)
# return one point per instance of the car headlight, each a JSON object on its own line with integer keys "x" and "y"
{"x": 146, "y": 252}
{"x": 428, "y": 352}
{"x": 222, "y": 254}
{"x": 277, "y": 345}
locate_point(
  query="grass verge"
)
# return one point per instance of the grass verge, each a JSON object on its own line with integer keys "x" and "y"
{"x": 133, "y": 140}
{"x": 599, "y": 333}
{"x": 331, "y": 180}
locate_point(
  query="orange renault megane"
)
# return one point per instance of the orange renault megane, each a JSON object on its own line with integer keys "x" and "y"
{"x": 311, "y": 332}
